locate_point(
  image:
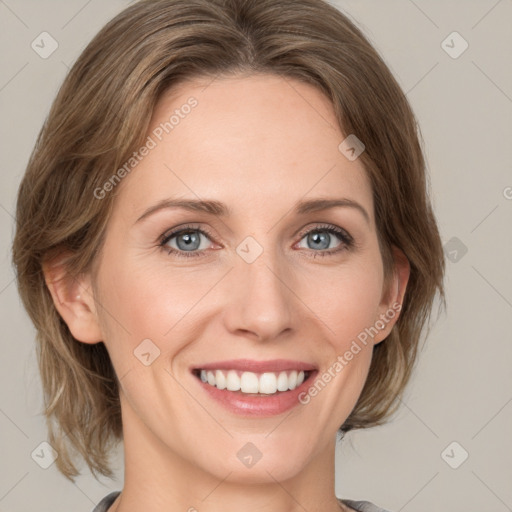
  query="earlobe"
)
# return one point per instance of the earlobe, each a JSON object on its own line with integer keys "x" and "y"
{"x": 393, "y": 296}
{"x": 73, "y": 298}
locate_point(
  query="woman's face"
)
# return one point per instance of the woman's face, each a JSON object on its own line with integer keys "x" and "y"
{"x": 267, "y": 278}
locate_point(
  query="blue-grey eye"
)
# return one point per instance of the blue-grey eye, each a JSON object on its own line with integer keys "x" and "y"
{"x": 186, "y": 240}
{"x": 321, "y": 239}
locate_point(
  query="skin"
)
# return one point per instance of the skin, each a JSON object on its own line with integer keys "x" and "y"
{"x": 259, "y": 157}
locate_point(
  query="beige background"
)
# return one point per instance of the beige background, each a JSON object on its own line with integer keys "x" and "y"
{"x": 462, "y": 388}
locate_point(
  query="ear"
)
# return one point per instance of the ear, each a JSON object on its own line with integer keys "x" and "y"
{"x": 392, "y": 296}
{"x": 73, "y": 299}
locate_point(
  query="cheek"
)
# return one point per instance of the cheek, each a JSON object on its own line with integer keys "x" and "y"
{"x": 348, "y": 302}
{"x": 141, "y": 302}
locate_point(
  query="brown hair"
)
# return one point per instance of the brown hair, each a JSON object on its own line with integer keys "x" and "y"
{"x": 102, "y": 113}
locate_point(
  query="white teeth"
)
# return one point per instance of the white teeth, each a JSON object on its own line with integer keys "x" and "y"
{"x": 282, "y": 382}
{"x": 292, "y": 380}
{"x": 232, "y": 381}
{"x": 220, "y": 380}
{"x": 249, "y": 382}
{"x": 268, "y": 383}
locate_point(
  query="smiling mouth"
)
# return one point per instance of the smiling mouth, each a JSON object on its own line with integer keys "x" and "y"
{"x": 252, "y": 383}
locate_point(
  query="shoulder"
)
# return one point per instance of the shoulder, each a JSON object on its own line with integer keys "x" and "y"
{"x": 105, "y": 503}
{"x": 363, "y": 506}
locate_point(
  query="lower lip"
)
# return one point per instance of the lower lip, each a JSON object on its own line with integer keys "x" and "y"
{"x": 257, "y": 405}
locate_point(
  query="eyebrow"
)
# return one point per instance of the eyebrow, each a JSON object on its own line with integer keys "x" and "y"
{"x": 219, "y": 209}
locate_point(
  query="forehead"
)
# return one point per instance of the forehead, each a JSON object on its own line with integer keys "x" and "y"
{"x": 246, "y": 140}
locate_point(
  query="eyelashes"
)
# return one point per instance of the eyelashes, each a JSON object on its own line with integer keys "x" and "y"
{"x": 193, "y": 233}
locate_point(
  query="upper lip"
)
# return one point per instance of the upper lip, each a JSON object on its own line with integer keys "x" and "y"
{"x": 251, "y": 365}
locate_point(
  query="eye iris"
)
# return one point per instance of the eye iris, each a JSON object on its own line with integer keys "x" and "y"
{"x": 191, "y": 238}
{"x": 322, "y": 237}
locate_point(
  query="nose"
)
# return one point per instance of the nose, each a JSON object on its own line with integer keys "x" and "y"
{"x": 261, "y": 301}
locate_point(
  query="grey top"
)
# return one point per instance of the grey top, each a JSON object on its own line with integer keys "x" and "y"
{"x": 106, "y": 502}
{"x": 360, "y": 506}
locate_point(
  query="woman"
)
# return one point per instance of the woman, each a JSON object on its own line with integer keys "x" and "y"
{"x": 225, "y": 242}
